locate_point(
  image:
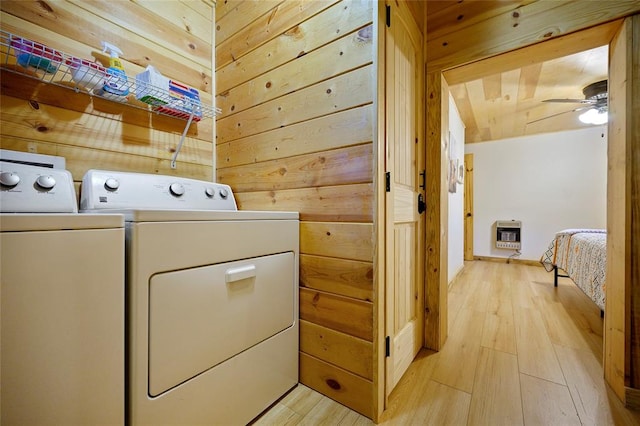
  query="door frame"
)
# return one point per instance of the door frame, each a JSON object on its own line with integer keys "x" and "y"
{"x": 621, "y": 353}
{"x": 468, "y": 207}
{"x": 436, "y": 230}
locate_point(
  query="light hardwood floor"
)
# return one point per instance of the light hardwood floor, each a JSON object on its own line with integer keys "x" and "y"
{"x": 519, "y": 352}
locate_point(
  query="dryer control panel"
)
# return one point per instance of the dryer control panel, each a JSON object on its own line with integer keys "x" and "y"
{"x": 112, "y": 190}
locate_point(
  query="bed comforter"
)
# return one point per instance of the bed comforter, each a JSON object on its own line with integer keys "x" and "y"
{"x": 582, "y": 254}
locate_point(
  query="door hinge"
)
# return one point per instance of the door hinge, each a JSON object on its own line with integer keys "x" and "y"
{"x": 388, "y": 16}
{"x": 388, "y": 181}
{"x": 387, "y": 347}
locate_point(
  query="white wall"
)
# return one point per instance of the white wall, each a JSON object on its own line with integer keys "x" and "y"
{"x": 456, "y": 200}
{"x": 550, "y": 182}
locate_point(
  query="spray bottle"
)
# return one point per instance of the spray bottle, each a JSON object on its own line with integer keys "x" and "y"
{"x": 116, "y": 86}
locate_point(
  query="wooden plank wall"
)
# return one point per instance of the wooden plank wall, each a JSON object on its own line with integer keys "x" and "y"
{"x": 295, "y": 81}
{"x": 90, "y": 132}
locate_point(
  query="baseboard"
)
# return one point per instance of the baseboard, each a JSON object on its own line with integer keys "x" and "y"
{"x": 506, "y": 260}
{"x": 632, "y": 398}
{"x": 456, "y": 275}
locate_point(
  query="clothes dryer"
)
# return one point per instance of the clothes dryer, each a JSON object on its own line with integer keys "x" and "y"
{"x": 212, "y": 296}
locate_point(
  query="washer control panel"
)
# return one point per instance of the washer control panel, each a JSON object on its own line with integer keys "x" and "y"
{"x": 27, "y": 188}
{"x": 102, "y": 190}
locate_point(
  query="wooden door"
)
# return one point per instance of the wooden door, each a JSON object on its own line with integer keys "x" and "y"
{"x": 405, "y": 160}
{"x": 468, "y": 207}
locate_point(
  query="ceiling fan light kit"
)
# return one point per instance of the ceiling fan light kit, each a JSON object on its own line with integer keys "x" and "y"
{"x": 594, "y": 116}
{"x": 596, "y": 95}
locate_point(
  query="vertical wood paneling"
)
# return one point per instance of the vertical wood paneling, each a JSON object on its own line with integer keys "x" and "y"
{"x": 95, "y": 133}
{"x": 296, "y": 85}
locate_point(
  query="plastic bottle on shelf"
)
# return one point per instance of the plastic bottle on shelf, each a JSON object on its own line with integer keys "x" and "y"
{"x": 116, "y": 86}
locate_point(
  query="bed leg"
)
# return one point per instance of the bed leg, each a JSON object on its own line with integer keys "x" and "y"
{"x": 555, "y": 275}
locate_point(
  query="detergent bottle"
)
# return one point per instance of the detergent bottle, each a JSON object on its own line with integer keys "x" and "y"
{"x": 116, "y": 85}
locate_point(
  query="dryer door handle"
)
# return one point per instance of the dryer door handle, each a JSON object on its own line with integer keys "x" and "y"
{"x": 240, "y": 273}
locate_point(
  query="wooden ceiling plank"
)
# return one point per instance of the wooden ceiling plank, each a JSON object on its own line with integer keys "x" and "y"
{"x": 510, "y": 122}
{"x": 476, "y": 99}
{"x": 461, "y": 99}
{"x": 529, "y": 77}
{"x": 492, "y": 86}
{"x": 551, "y": 49}
{"x": 445, "y": 17}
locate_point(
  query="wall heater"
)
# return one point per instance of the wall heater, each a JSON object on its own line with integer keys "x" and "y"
{"x": 508, "y": 234}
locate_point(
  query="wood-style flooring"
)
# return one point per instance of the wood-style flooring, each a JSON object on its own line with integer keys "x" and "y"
{"x": 519, "y": 352}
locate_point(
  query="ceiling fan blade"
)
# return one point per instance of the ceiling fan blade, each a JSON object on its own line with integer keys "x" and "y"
{"x": 560, "y": 113}
{"x": 572, "y": 101}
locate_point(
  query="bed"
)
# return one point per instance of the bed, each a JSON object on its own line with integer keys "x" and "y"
{"x": 582, "y": 254}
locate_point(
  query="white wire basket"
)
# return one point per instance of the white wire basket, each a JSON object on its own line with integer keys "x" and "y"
{"x": 38, "y": 61}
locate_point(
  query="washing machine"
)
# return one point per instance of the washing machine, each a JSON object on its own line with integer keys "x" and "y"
{"x": 61, "y": 304}
{"x": 212, "y": 297}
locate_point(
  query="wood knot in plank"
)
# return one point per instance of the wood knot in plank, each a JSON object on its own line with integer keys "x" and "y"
{"x": 551, "y": 33}
{"x": 295, "y": 32}
{"x": 44, "y": 5}
{"x": 365, "y": 34}
{"x": 333, "y": 384}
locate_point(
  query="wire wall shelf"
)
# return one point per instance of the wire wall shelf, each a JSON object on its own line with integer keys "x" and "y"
{"x": 38, "y": 61}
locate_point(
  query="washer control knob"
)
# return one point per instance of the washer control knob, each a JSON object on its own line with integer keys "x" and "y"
{"x": 176, "y": 189}
{"x": 111, "y": 184}
{"x": 46, "y": 181}
{"x": 9, "y": 179}
{"x": 224, "y": 193}
{"x": 209, "y": 192}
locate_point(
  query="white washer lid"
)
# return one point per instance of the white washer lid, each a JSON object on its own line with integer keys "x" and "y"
{"x": 58, "y": 221}
{"x": 199, "y": 215}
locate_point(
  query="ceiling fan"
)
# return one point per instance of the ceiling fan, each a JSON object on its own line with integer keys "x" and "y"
{"x": 595, "y": 99}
